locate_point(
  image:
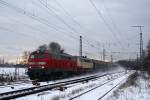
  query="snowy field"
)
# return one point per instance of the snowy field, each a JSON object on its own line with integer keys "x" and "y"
{"x": 11, "y": 75}
{"x": 21, "y": 71}
{"x": 99, "y": 92}
{"x": 139, "y": 89}
{"x": 12, "y": 71}
{"x": 27, "y": 85}
{"x": 80, "y": 88}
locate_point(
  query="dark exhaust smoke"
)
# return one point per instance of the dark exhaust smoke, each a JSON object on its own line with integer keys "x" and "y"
{"x": 42, "y": 48}
{"x": 53, "y": 47}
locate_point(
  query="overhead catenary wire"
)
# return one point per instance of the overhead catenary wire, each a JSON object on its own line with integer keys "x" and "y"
{"x": 76, "y": 33}
{"x": 39, "y": 30}
{"x": 20, "y": 33}
{"x": 27, "y": 13}
{"x": 86, "y": 41}
{"x": 71, "y": 17}
{"x": 58, "y": 17}
{"x": 112, "y": 20}
{"x": 125, "y": 40}
{"x": 50, "y": 10}
{"x": 43, "y": 21}
{"x": 105, "y": 22}
{"x": 40, "y": 20}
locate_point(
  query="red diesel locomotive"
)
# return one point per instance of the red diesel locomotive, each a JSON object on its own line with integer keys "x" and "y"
{"x": 45, "y": 65}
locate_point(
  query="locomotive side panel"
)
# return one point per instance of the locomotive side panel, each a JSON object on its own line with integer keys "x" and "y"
{"x": 84, "y": 64}
{"x": 50, "y": 65}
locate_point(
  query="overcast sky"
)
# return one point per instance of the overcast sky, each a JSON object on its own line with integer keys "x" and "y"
{"x": 26, "y": 24}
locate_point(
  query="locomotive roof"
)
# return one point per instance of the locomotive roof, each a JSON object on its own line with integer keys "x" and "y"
{"x": 63, "y": 54}
{"x": 66, "y": 54}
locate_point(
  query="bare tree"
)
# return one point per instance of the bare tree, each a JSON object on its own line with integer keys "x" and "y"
{"x": 148, "y": 49}
{"x": 147, "y": 58}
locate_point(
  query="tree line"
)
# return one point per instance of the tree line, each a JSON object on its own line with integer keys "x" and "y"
{"x": 137, "y": 64}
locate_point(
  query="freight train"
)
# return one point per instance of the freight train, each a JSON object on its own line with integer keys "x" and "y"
{"x": 46, "y": 65}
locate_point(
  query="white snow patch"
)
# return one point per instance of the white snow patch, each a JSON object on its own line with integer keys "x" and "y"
{"x": 139, "y": 91}
{"x": 77, "y": 89}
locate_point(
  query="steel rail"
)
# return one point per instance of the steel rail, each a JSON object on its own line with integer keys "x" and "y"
{"x": 33, "y": 90}
{"x": 95, "y": 88}
{"x": 109, "y": 91}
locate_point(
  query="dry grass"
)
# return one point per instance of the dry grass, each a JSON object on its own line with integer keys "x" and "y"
{"x": 131, "y": 81}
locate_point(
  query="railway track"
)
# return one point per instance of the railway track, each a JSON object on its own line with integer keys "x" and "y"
{"x": 104, "y": 94}
{"x": 109, "y": 91}
{"x": 33, "y": 90}
{"x": 16, "y": 84}
{"x": 100, "y": 98}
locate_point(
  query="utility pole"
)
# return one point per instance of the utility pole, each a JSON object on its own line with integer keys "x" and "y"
{"x": 141, "y": 45}
{"x": 104, "y": 53}
{"x": 111, "y": 58}
{"x": 99, "y": 45}
{"x": 80, "y": 51}
{"x": 3, "y": 60}
{"x": 137, "y": 60}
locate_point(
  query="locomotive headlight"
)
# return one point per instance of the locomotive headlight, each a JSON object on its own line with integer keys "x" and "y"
{"x": 42, "y": 63}
{"x": 43, "y": 67}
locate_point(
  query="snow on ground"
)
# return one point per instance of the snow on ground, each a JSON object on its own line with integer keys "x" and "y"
{"x": 20, "y": 86}
{"x": 97, "y": 93}
{"x": 78, "y": 89}
{"x": 10, "y": 76}
{"x": 11, "y": 71}
{"x": 14, "y": 86}
{"x": 140, "y": 90}
{"x": 22, "y": 71}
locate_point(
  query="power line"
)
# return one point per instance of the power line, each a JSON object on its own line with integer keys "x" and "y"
{"x": 101, "y": 16}
{"x": 87, "y": 41}
{"x": 41, "y": 20}
{"x": 20, "y": 33}
{"x": 67, "y": 13}
{"x": 71, "y": 17}
{"x": 70, "y": 27}
{"x": 46, "y": 6}
{"x": 112, "y": 20}
{"x": 28, "y": 25}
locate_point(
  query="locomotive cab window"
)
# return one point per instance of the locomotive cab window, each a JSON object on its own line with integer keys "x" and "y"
{"x": 33, "y": 56}
{"x": 87, "y": 60}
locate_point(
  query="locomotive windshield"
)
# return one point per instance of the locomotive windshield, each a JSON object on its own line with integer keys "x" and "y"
{"x": 33, "y": 56}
